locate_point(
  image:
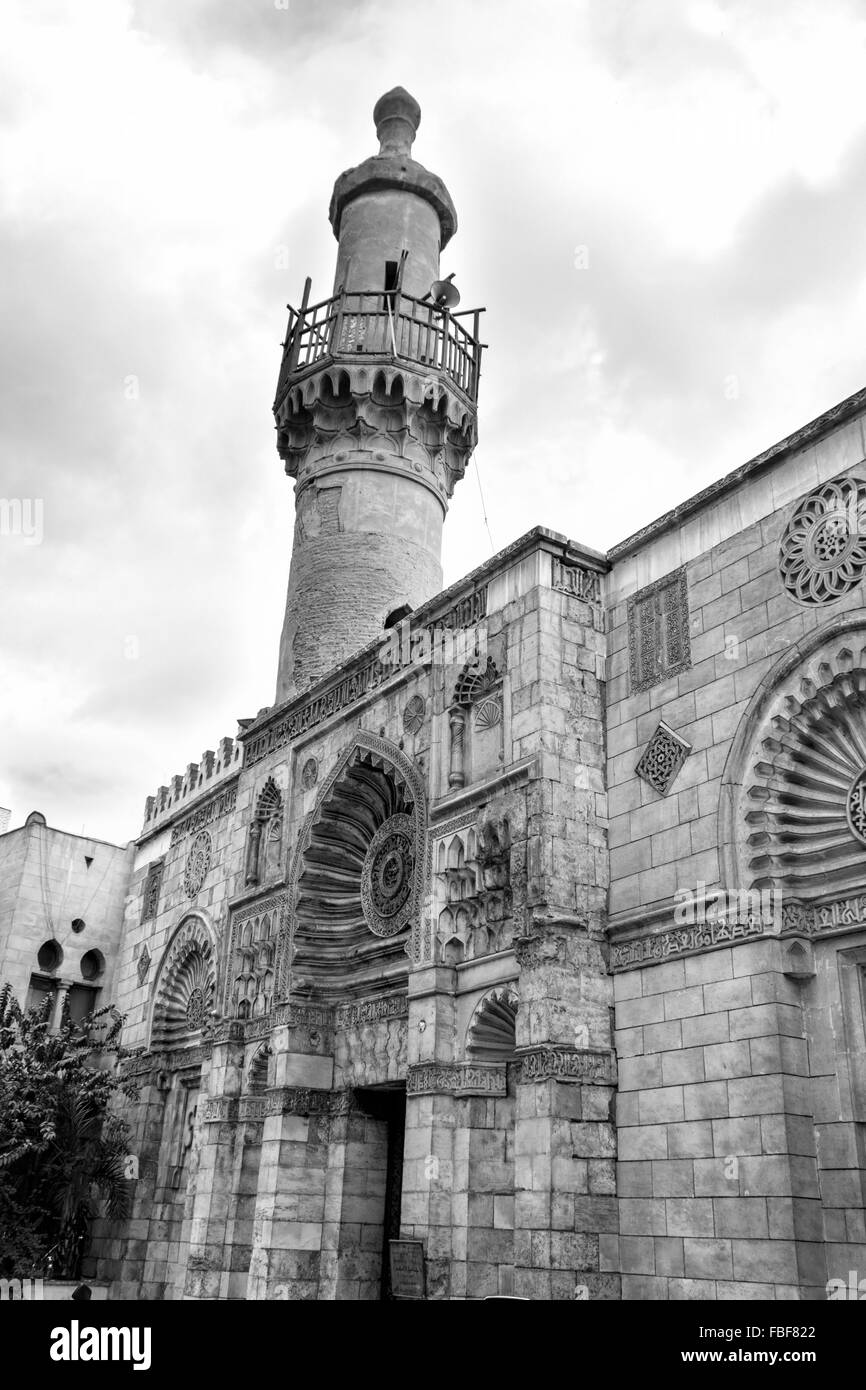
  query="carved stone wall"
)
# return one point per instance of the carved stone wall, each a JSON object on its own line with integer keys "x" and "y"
{"x": 473, "y": 893}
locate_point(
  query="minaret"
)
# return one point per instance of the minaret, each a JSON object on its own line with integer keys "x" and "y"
{"x": 375, "y": 409}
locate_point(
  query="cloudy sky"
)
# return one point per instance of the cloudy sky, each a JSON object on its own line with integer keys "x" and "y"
{"x": 661, "y": 205}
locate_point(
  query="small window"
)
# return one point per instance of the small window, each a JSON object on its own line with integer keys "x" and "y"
{"x": 78, "y": 924}
{"x": 50, "y": 956}
{"x": 92, "y": 965}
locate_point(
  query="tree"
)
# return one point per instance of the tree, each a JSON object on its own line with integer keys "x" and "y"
{"x": 62, "y": 1144}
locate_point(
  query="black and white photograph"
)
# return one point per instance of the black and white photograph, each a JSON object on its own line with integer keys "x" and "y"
{"x": 433, "y": 668}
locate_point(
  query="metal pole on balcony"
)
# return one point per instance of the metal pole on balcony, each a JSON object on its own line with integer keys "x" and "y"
{"x": 337, "y": 326}
{"x": 299, "y": 325}
{"x": 446, "y": 324}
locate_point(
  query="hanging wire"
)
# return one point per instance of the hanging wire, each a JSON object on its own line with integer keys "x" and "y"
{"x": 43, "y": 883}
{"x": 483, "y": 506}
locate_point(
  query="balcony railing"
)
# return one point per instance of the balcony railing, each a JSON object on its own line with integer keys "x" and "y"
{"x": 385, "y": 324}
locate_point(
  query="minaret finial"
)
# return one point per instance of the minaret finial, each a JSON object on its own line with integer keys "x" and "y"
{"x": 397, "y": 116}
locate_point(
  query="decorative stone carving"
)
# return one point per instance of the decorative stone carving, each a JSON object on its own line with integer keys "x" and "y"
{"x": 152, "y": 886}
{"x": 143, "y": 967}
{"x": 259, "y": 1070}
{"x": 476, "y": 681}
{"x": 413, "y": 715}
{"x": 684, "y": 941}
{"x": 417, "y": 420}
{"x": 658, "y": 631}
{"x": 285, "y": 1100}
{"x": 491, "y": 1036}
{"x": 566, "y": 1064}
{"x": 473, "y": 888}
{"x": 254, "y": 932}
{"x": 371, "y": 1011}
{"x": 457, "y": 726}
{"x": 196, "y": 1011}
{"x": 464, "y": 1078}
{"x": 184, "y": 991}
{"x": 264, "y": 845}
{"x": 197, "y": 864}
{"x": 530, "y": 952}
{"x": 334, "y": 873}
{"x": 218, "y": 806}
{"x": 856, "y": 807}
{"x": 822, "y": 555}
{"x": 488, "y": 714}
{"x": 386, "y": 880}
{"x": 309, "y": 774}
{"x": 576, "y": 580}
{"x": 811, "y": 919}
{"x": 804, "y": 806}
{"x": 254, "y": 843}
{"x": 159, "y": 1065}
{"x": 303, "y": 1015}
{"x": 662, "y": 759}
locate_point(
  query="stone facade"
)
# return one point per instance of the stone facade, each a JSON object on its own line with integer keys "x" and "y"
{"x": 529, "y": 923}
{"x": 741, "y": 1168}
{"x": 61, "y": 915}
{"x": 478, "y": 1029}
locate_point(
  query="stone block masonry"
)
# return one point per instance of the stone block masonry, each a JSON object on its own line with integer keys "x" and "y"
{"x": 717, "y": 1167}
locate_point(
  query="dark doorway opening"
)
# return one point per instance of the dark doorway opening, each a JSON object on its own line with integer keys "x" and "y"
{"x": 388, "y": 1105}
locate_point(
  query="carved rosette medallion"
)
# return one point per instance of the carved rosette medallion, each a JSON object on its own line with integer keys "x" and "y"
{"x": 413, "y": 715}
{"x": 856, "y": 807}
{"x": 822, "y": 555}
{"x": 309, "y": 774}
{"x": 386, "y": 879}
{"x": 197, "y": 863}
{"x": 195, "y": 1009}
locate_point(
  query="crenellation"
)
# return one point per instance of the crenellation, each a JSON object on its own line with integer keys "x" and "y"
{"x": 198, "y": 779}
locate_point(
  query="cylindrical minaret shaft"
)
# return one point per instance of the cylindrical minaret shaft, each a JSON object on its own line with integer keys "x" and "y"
{"x": 375, "y": 410}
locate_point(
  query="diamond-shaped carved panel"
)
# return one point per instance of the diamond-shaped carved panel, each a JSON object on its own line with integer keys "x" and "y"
{"x": 662, "y": 759}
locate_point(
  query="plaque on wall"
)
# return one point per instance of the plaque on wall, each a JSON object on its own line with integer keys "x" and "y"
{"x": 407, "y": 1268}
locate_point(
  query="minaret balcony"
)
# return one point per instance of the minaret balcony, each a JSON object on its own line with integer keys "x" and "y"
{"x": 382, "y": 326}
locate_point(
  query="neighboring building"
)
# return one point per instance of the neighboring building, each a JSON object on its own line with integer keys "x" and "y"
{"x": 62, "y": 900}
{"x": 530, "y": 922}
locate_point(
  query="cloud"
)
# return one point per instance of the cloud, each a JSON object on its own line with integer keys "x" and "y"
{"x": 659, "y": 207}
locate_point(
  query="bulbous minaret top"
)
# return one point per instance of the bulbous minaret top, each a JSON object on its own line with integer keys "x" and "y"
{"x": 391, "y": 198}
{"x": 397, "y": 117}
{"x": 375, "y": 408}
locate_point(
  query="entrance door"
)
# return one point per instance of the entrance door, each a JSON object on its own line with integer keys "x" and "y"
{"x": 387, "y": 1104}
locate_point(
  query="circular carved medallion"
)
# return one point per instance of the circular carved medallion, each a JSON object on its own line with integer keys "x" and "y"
{"x": 195, "y": 1009}
{"x": 856, "y": 807}
{"x": 413, "y": 715}
{"x": 387, "y": 876}
{"x": 823, "y": 550}
{"x": 309, "y": 774}
{"x": 197, "y": 863}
